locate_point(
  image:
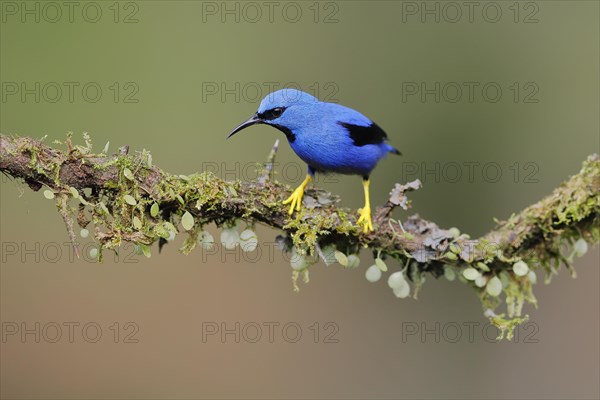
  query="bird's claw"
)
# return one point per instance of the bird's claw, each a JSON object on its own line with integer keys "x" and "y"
{"x": 364, "y": 219}
{"x": 295, "y": 200}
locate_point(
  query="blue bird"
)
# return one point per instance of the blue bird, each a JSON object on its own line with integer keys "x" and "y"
{"x": 328, "y": 137}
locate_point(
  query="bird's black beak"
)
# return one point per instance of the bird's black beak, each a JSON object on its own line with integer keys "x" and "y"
{"x": 253, "y": 120}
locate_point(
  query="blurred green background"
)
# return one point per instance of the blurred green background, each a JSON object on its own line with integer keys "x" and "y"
{"x": 176, "y": 77}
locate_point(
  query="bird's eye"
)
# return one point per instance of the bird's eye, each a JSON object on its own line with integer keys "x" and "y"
{"x": 272, "y": 113}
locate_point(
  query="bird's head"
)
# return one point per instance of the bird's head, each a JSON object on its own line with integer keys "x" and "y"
{"x": 283, "y": 109}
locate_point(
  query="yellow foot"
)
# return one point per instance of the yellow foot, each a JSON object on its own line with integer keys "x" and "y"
{"x": 364, "y": 219}
{"x": 295, "y": 200}
{"x": 364, "y": 214}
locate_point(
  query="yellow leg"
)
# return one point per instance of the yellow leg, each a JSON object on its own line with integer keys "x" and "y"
{"x": 364, "y": 218}
{"x": 296, "y": 198}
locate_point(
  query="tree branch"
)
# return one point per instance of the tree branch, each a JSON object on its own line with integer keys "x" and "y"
{"x": 127, "y": 198}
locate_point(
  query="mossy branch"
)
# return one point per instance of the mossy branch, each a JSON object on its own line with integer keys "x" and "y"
{"x": 129, "y": 199}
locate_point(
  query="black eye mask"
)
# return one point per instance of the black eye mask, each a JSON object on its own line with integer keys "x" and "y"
{"x": 272, "y": 114}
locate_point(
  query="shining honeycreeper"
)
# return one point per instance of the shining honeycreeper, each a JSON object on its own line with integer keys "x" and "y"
{"x": 329, "y": 137}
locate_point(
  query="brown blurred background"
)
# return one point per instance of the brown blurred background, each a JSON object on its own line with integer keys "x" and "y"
{"x": 175, "y": 77}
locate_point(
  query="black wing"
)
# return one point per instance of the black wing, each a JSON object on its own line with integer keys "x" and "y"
{"x": 363, "y": 135}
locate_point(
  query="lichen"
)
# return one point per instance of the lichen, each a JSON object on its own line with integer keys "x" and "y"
{"x": 144, "y": 205}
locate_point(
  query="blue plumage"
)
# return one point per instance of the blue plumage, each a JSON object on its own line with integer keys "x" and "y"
{"x": 329, "y": 137}
{"x": 319, "y": 137}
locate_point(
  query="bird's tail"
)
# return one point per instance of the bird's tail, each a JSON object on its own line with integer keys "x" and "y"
{"x": 393, "y": 150}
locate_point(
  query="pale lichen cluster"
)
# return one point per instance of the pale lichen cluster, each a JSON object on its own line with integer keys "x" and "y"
{"x": 123, "y": 197}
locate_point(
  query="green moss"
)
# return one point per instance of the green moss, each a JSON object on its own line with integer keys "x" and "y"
{"x": 309, "y": 226}
{"x": 40, "y": 166}
{"x": 103, "y": 166}
{"x": 507, "y": 326}
{"x": 546, "y": 231}
{"x": 190, "y": 242}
